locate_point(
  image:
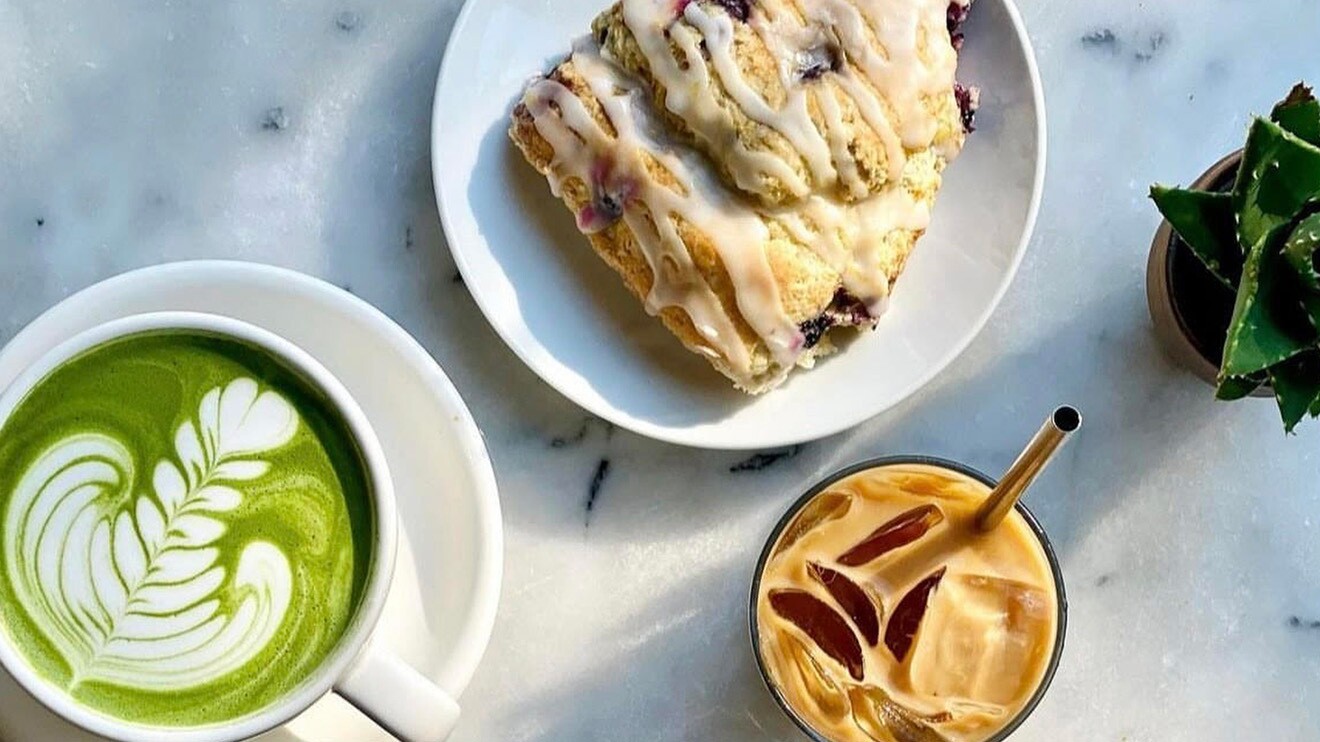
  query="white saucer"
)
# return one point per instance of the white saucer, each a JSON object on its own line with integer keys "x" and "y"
{"x": 441, "y": 607}
{"x": 573, "y": 322}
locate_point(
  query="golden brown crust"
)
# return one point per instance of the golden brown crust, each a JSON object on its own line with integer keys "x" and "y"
{"x": 807, "y": 284}
{"x": 757, "y": 66}
{"x": 759, "y": 69}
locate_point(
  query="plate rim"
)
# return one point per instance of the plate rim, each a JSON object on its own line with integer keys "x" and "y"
{"x": 477, "y": 630}
{"x": 705, "y": 436}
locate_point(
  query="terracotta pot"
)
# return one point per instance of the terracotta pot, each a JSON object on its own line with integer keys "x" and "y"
{"x": 1189, "y": 307}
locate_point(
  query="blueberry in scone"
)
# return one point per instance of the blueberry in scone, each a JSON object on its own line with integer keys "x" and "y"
{"x": 757, "y": 171}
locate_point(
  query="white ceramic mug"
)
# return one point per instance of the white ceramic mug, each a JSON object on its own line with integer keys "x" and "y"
{"x": 382, "y": 686}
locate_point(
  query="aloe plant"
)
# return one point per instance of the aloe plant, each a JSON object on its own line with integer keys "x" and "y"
{"x": 1262, "y": 240}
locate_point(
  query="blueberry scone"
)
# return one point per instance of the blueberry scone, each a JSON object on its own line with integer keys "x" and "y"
{"x": 757, "y": 171}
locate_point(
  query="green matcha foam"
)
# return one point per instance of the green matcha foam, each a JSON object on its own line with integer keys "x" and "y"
{"x": 186, "y": 528}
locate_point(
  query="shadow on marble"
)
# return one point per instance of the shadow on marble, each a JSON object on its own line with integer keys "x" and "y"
{"x": 422, "y": 290}
{"x": 979, "y": 416}
{"x": 658, "y": 663}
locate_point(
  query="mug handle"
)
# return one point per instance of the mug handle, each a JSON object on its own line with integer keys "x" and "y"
{"x": 404, "y": 702}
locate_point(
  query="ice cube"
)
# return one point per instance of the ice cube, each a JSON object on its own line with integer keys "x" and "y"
{"x": 909, "y": 614}
{"x": 822, "y": 508}
{"x": 851, "y": 597}
{"x": 897, "y": 533}
{"x": 803, "y": 678}
{"x": 884, "y": 719}
{"x": 984, "y": 640}
{"x": 825, "y": 627}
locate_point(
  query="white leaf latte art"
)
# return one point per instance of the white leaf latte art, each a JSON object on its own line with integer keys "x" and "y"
{"x": 126, "y": 588}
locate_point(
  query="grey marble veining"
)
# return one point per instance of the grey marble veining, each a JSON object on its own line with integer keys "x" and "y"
{"x": 296, "y": 133}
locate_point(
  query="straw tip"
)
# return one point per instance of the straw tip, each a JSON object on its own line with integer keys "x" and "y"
{"x": 1066, "y": 418}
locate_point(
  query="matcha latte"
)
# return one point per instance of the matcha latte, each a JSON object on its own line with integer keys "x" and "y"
{"x": 186, "y": 528}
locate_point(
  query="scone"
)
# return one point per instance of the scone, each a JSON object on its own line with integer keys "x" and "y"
{"x": 794, "y": 97}
{"x": 753, "y": 281}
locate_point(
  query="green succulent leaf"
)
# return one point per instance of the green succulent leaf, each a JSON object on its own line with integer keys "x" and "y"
{"x": 1237, "y": 387}
{"x": 1268, "y": 326}
{"x": 1204, "y": 221}
{"x": 1279, "y": 174}
{"x": 1263, "y": 241}
{"x": 1296, "y": 385}
{"x": 1300, "y": 249}
{"x": 1310, "y": 304}
{"x": 1299, "y": 114}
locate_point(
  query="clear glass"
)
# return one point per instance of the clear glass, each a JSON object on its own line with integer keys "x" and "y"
{"x": 1055, "y": 570}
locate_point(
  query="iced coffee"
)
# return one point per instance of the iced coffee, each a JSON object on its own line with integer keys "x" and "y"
{"x": 883, "y": 615}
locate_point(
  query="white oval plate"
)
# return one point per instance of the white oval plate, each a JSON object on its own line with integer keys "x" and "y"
{"x": 574, "y": 323}
{"x": 441, "y": 606}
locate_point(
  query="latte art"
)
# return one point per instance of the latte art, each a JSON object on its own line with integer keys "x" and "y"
{"x": 187, "y": 529}
{"x": 129, "y": 585}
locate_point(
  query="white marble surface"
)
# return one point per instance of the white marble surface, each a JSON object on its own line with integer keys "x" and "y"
{"x": 296, "y": 133}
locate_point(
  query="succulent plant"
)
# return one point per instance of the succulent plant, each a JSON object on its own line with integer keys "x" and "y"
{"x": 1262, "y": 240}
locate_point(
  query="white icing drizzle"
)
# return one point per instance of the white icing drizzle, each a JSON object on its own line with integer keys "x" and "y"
{"x": 900, "y": 74}
{"x": 651, "y": 211}
{"x": 690, "y": 95}
{"x": 894, "y": 60}
{"x": 884, "y": 68}
{"x": 792, "y": 120}
{"x": 840, "y": 134}
{"x": 852, "y": 239}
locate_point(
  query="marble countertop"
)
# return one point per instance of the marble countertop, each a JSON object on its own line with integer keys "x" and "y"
{"x": 296, "y": 133}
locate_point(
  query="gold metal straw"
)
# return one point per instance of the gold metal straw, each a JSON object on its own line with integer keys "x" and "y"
{"x": 1052, "y": 435}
